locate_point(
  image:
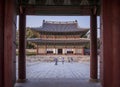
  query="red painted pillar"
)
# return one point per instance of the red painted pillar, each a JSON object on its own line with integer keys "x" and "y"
{"x": 22, "y": 58}
{"x": 82, "y": 50}
{"x": 93, "y": 46}
{"x": 1, "y": 43}
{"x": 111, "y": 41}
{"x": 9, "y": 43}
{"x": 116, "y": 42}
{"x": 107, "y": 39}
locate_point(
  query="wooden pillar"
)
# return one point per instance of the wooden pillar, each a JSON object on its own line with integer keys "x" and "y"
{"x": 107, "y": 44}
{"x": 45, "y": 44}
{"x": 9, "y": 43}
{"x": 55, "y": 49}
{"x": 2, "y": 43}
{"x": 82, "y": 50}
{"x": 116, "y": 43}
{"x": 45, "y": 49}
{"x": 22, "y": 59}
{"x": 54, "y": 44}
{"x": 93, "y": 44}
{"x": 111, "y": 41}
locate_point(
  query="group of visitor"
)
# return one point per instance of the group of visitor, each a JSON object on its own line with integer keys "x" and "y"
{"x": 69, "y": 60}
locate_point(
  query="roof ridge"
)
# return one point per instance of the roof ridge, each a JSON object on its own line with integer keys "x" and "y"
{"x": 60, "y": 22}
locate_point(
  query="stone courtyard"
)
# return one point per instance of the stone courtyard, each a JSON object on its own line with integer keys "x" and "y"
{"x": 47, "y": 74}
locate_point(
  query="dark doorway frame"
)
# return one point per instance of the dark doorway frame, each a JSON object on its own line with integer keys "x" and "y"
{"x": 60, "y": 51}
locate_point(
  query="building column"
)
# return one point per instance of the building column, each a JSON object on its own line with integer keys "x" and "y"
{"x": 93, "y": 46}
{"x": 116, "y": 43}
{"x": 45, "y": 51}
{"x": 63, "y": 50}
{"x": 111, "y": 40}
{"x": 22, "y": 58}
{"x": 74, "y": 50}
{"x": 2, "y": 43}
{"x": 107, "y": 71}
{"x": 9, "y": 42}
{"x": 55, "y": 50}
{"x": 82, "y": 50}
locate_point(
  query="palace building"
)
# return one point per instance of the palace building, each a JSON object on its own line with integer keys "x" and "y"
{"x": 60, "y": 38}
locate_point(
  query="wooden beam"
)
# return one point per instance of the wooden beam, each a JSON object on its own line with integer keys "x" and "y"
{"x": 57, "y": 10}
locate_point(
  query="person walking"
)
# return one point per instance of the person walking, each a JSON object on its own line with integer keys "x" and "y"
{"x": 56, "y": 61}
{"x": 71, "y": 59}
{"x": 62, "y": 60}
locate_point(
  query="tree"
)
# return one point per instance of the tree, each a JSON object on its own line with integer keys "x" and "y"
{"x": 31, "y": 34}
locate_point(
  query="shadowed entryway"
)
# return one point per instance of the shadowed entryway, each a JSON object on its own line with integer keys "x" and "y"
{"x": 60, "y": 51}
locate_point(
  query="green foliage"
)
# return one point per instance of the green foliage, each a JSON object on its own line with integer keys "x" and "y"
{"x": 27, "y": 53}
{"x": 29, "y": 34}
{"x": 84, "y": 36}
{"x": 98, "y": 43}
{"x": 87, "y": 46}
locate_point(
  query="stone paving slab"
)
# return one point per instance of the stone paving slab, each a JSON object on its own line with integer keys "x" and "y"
{"x": 47, "y": 74}
{"x": 58, "y": 83}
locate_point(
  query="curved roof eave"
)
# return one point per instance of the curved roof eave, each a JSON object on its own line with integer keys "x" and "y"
{"x": 37, "y": 40}
{"x": 85, "y": 30}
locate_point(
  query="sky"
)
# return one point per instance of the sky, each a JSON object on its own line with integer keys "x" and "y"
{"x": 36, "y": 21}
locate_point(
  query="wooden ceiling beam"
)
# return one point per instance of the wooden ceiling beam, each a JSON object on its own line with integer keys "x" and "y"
{"x": 57, "y": 10}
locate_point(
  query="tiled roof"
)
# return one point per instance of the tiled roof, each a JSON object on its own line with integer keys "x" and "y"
{"x": 38, "y": 40}
{"x": 53, "y": 26}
